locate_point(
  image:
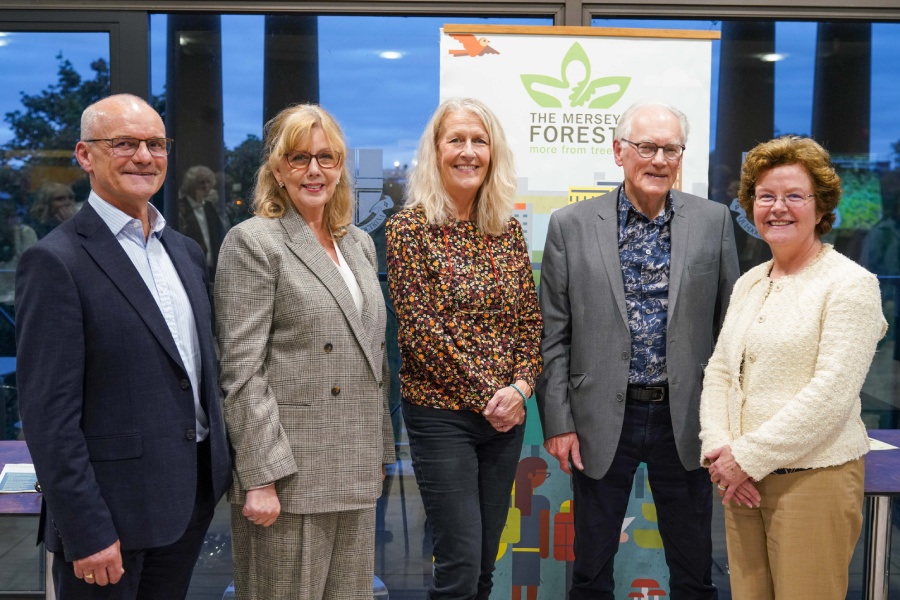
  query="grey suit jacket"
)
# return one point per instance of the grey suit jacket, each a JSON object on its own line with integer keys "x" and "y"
{"x": 586, "y": 342}
{"x": 305, "y": 374}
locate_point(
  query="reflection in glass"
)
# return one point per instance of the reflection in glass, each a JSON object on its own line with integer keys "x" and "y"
{"x": 41, "y": 100}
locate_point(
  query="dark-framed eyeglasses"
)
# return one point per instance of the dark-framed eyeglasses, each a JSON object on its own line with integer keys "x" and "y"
{"x": 127, "y": 146}
{"x": 649, "y": 149}
{"x": 325, "y": 160}
{"x": 793, "y": 200}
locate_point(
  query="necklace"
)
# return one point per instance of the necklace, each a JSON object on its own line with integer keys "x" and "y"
{"x": 803, "y": 267}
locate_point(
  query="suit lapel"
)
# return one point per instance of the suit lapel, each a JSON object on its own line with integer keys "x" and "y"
{"x": 104, "y": 248}
{"x": 303, "y": 243}
{"x": 608, "y": 240}
{"x": 680, "y": 230}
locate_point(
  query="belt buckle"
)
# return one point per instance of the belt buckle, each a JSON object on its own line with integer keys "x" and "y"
{"x": 658, "y": 391}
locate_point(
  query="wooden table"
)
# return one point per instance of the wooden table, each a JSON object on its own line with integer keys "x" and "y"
{"x": 881, "y": 485}
{"x": 19, "y": 505}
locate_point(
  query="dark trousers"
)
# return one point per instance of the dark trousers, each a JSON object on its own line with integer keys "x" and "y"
{"x": 465, "y": 470}
{"x": 683, "y": 506}
{"x": 156, "y": 573}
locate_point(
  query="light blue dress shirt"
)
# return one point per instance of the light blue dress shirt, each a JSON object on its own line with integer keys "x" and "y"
{"x": 157, "y": 270}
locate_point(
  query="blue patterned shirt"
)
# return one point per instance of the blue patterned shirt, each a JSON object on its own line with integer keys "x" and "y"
{"x": 645, "y": 250}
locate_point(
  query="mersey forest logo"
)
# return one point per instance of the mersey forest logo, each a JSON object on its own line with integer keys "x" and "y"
{"x": 575, "y": 84}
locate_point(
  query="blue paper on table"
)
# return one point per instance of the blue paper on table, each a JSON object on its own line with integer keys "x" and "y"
{"x": 17, "y": 478}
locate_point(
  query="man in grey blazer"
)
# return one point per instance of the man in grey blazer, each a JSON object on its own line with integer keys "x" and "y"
{"x": 634, "y": 286}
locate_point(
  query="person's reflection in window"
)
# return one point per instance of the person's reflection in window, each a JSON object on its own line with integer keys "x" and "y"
{"x": 881, "y": 253}
{"x": 15, "y": 237}
{"x": 198, "y": 217}
{"x": 53, "y": 204}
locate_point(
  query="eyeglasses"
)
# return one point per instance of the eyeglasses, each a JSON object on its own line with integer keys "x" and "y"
{"x": 325, "y": 160}
{"x": 793, "y": 200}
{"x": 649, "y": 149}
{"x": 127, "y": 146}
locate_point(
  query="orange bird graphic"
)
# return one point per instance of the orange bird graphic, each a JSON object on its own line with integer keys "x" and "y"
{"x": 472, "y": 46}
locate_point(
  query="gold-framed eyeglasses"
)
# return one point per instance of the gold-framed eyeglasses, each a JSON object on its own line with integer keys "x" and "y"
{"x": 127, "y": 146}
{"x": 649, "y": 149}
{"x": 792, "y": 200}
{"x": 325, "y": 160}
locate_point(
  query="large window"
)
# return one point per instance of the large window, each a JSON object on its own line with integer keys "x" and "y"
{"x": 217, "y": 78}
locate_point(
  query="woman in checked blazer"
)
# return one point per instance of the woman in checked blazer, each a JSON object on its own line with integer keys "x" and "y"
{"x": 301, "y": 323}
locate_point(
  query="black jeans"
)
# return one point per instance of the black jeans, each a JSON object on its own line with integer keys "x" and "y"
{"x": 465, "y": 470}
{"x": 683, "y": 504}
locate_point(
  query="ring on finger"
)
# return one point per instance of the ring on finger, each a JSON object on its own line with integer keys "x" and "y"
{"x": 721, "y": 487}
{"x": 88, "y": 575}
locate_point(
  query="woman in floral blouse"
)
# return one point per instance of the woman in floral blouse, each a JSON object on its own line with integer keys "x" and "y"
{"x": 469, "y": 327}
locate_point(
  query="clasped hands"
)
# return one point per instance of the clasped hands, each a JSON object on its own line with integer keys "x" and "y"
{"x": 731, "y": 481}
{"x": 506, "y": 408}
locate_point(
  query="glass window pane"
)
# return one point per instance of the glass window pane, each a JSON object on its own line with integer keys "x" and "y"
{"x": 47, "y": 79}
{"x": 379, "y": 76}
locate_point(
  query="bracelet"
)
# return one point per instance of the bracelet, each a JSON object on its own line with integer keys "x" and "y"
{"x": 521, "y": 393}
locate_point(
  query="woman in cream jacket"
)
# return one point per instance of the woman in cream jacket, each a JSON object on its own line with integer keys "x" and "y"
{"x": 780, "y": 410}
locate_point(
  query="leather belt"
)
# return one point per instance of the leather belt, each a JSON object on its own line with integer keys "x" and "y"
{"x": 648, "y": 393}
{"x": 789, "y": 471}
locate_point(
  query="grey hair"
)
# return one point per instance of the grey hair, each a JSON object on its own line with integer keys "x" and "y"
{"x": 623, "y": 130}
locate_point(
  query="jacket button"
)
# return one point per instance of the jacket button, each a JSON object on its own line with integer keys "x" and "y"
{"x": 624, "y": 356}
{"x": 328, "y": 347}
{"x": 336, "y": 390}
{"x": 184, "y": 383}
{"x": 620, "y": 397}
{"x": 190, "y": 435}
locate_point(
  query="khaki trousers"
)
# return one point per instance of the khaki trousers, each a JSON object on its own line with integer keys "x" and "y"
{"x": 798, "y": 544}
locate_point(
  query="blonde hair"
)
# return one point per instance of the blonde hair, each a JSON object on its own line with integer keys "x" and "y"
{"x": 494, "y": 200}
{"x": 290, "y": 130}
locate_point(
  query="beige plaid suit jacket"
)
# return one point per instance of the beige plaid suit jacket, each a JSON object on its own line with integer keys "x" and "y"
{"x": 304, "y": 372}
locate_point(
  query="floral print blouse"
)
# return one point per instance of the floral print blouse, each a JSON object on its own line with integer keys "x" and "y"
{"x": 467, "y": 312}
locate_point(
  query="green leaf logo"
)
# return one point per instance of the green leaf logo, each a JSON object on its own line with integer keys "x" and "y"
{"x": 575, "y": 84}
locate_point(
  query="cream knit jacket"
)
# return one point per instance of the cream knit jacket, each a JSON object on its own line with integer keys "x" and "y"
{"x": 806, "y": 342}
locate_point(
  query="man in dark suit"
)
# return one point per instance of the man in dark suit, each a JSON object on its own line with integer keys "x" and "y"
{"x": 117, "y": 374}
{"x": 634, "y": 285}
